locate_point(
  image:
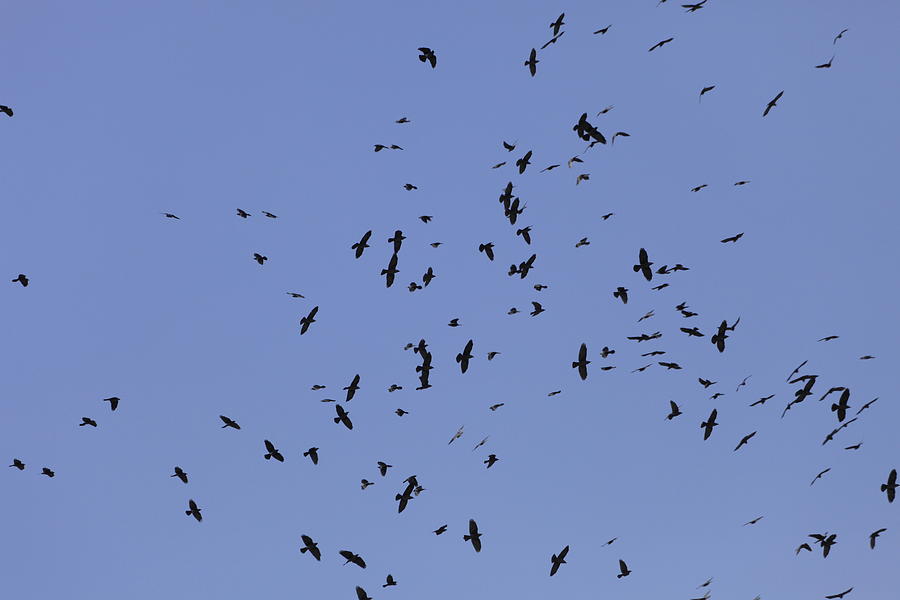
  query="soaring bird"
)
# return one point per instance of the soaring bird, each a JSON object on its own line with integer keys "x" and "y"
{"x": 841, "y": 406}
{"x": 826, "y": 65}
{"x": 242, "y": 213}
{"x": 48, "y": 472}
{"x": 557, "y": 560}
{"x": 836, "y": 38}
{"x": 874, "y": 535}
{"x": 474, "y": 536}
{"x": 674, "y": 412}
{"x": 308, "y": 320}
{"x": 532, "y": 62}
{"x": 744, "y": 440}
{"x": 819, "y": 475}
{"x": 603, "y": 31}
{"x": 429, "y": 55}
{"x": 706, "y": 89}
{"x": 21, "y": 279}
{"x": 383, "y": 468}
{"x": 523, "y": 162}
{"x": 87, "y": 421}
{"x": 389, "y": 580}
{"x": 622, "y": 294}
{"x": 362, "y": 244}
{"x": 463, "y": 357}
{"x": 391, "y": 271}
{"x": 342, "y": 416}
{"x": 623, "y": 570}
{"x": 9, "y": 112}
{"x": 260, "y": 258}
{"x": 356, "y": 559}
{"x": 773, "y": 103}
{"x": 891, "y": 486}
{"x": 440, "y": 530}
{"x": 310, "y": 546}
{"x": 351, "y": 389}
{"x": 491, "y": 459}
{"x": 555, "y": 25}
{"x": 272, "y": 452}
{"x": 361, "y": 594}
{"x": 313, "y": 454}
{"x": 229, "y": 423}
{"x": 18, "y": 464}
{"x": 841, "y": 595}
{"x": 582, "y": 362}
{"x": 180, "y": 474}
{"x": 193, "y": 510}
{"x": 709, "y": 423}
{"x": 488, "y": 250}
{"x": 643, "y": 265}
{"x": 660, "y": 44}
{"x": 733, "y": 238}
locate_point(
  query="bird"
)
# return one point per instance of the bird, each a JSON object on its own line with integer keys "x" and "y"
{"x": 803, "y": 546}
{"x": 699, "y": 187}
{"x": 170, "y": 216}
{"x": 866, "y": 357}
{"x": 523, "y": 162}
{"x": 6, "y": 110}
{"x": 313, "y": 454}
{"x": 692, "y": 331}
{"x": 454, "y": 322}
{"x": 402, "y": 120}
{"x": 48, "y": 472}
{"x": 826, "y": 65}
{"x": 694, "y": 7}
{"x": 538, "y": 309}
{"x": 558, "y": 559}
{"x": 753, "y": 521}
{"x": 389, "y": 580}
{"x": 409, "y": 187}
{"x": 361, "y": 594}
{"x": 891, "y": 486}
{"x": 308, "y": 320}
{"x": 742, "y": 182}
{"x": 744, "y": 440}
{"x": 867, "y": 405}
{"x": 352, "y": 388}
{"x": 440, "y": 530}
{"x": 548, "y": 168}
{"x": 841, "y": 595}
{"x": 491, "y": 459}
{"x": 494, "y": 407}
{"x": 356, "y": 559}
{"x": 709, "y": 423}
{"x": 555, "y": 25}
{"x": 488, "y": 250}
{"x": 180, "y": 474}
{"x": 763, "y": 400}
{"x": 841, "y": 406}
{"x": 229, "y": 423}
{"x": 733, "y": 238}
{"x": 474, "y": 536}
{"x": 310, "y": 546}
{"x": 342, "y": 416}
{"x": 492, "y": 354}
{"x": 22, "y": 278}
{"x": 272, "y": 452}
{"x": 618, "y": 134}
{"x": 854, "y": 447}
{"x": 674, "y": 412}
{"x": 427, "y": 54}
{"x": 260, "y": 258}
{"x": 660, "y": 44}
{"x": 270, "y": 215}
{"x": 525, "y": 232}
{"x": 193, "y": 510}
{"x": 480, "y": 444}
{"x": 383, "y": 468}
{"x": 400, "y": 412}
{"x": 706, "y": 382}
{"x": 87, "y": 421}
{"x": 623, "y": 570}
{"x": 582, "y": 177}
{"x": 426, "y": 218}
{"x": 582, "y": 242}
{"x": 582, "y": 362}
{"x": 773, "y": 103}
{"x": 643, "y": 265}
{"x": 242, "y": 213}
{"x": 828, "y": 338}
{"x": 553, "y": 40}
{"x": 532, "y": 62}
{"x": 819, "y": 476}
{"x": 839, "y": 36}
{"x": 295, "y": 295}
{"x": 364, "y": 483}
{"x": 18, "y": 464}
{"x": 362, "y": 244}
{"x": 603, "y": 31}
{"x": 874, "y": 535}
{"x": 706, "y": 90}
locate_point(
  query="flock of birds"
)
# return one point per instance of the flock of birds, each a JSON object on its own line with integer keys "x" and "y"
{"x": 645, "y": 269}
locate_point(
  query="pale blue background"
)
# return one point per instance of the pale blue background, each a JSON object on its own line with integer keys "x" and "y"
{"x": 125, "y": 110}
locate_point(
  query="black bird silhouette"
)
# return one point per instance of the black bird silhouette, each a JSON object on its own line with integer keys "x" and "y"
{"x": 819, "y": 476}
{"x": 389, "y": 581}
{"x": 397, "y": 240}
{"x": 708, "y": 88}
{"x": 308, "y": 320}
{"x": 618, "y": 134}
{"x": 699, "y": 187}
{"x": 891, "y": 486}
{"x": 356, "y": 559}
{"x": 429, "y": 55}
{"x": 313, "y": 454}
{"x": 463, "y": 357}
{"x": 582, "y": 362}
{"x": 18, "y": 464}
{"x": 260, "y": 258}
{"x": 538, "y": 309}
{"x": 531, "y": 63}
{"x": 488, "y": 250}
{"x": 829, "y": 338}
{"x": 557, "y": 560}
{"x": 720, "y": 336}
{"x": 362, "y": 244}
{"x": 383, "y": 468}
{"x": 180, "y": 474}
{"x": 841, "y": 595}
{"x": 602, "y": 31}
{"x": 9, "y": 112}
{"x": 825, "y": 65}
{"x": 839, "y": 36}
{"x": 744, "y": 440}
{"x": 171, "y": 216}
{"x": 193, "y": 510}
{"x": 874, "y": 535}
{"x": 841, "y": 406}
{"x": 310, "y": 546}
{"x": 623, "y": 570}
{"x": 342, "y": 416}
{"x": 242, "y": 213}
{"x": 361, "y": 594}
{"x": 773, "y": 103}
{"x": 643, "y": 265}
{"x": 709, "y": 423}
{"x": 509, "y": 148}
{"x": 21, "y": 279}
{"x": 694, "y": 7}
{"x": 733, "y": 238}
{"x": 474, "y": 536}
{"x": 692, "y": 331}
{"x": 48, "y": 472}
{"x": 270, "y": 215}
{"x": 867, "y": 405}
{"x": 555, "y": 25}
{"x": 428, "y": 276}
{"x": 351, "y": 389}
{"x": 674, "y": 412}
{"x": 295, "y": 295}
{"x": 753, "y": 521}
{"x": 491, "y": 459}
{"x": 523, "y": 162}
{"x": 525, "y": 232}
{"x": 622, "y": 294}
{"x": 660, "y": 44}
{"x": 229, "y": 423}
{"x": 272, "y": 452}
{"x": 440, "y": 530}
{"x": 87, "y": 421}
{"x": 391, "y": 271}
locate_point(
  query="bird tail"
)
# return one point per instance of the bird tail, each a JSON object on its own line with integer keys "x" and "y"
{"x": 187, "y": 512}
{"x": 884, "y": 487}
{"x": 834, "y": 407}
{"x": 267, "y": 456}
{"x": 337, "y": 420}
{"x": 459, "y": 358}
{"x": 466, "y": 538}
{"x": 619, "y": 576}
{"x": 304, "y": 550}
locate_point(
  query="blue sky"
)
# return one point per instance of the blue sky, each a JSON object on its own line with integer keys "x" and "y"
{"x": 126, "y": 110}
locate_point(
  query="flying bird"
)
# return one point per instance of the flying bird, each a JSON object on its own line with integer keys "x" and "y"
{"x": 623, "y": 570}
{"x": 272, "y": 452}
{"x": 708, "y": 424}
{"x": 582, "y": 362}
{"x": 18, "y": 464}
{"x": 313, "y": 454}
{"x": 643, "y": 265}
{"x": 180, "y": 474}
{"x": 474, "y": 536}
{"x": 674, "y": 412}
{"x": 874, "y": 535}
{"x": 356, "y": 559}
{"x": 891, "y": 486}
{"x": 660, "y": 44}
{"x": 310, "y": 546}
{"x": 362, "y": 244}
{"x": 22, "y": 278}
{"x": 773, "y": 103}
{"x": 352, "y": 388}
{"x": 744, "y": 440}
{"x": 531, "y": 63}
{"x": 557, "y": 560}
{"x": 733, "y": 238}
{"x": 826, "y": 65}
{"x": 841, "y": 595}
{"x": 427, "y": 54}
{"x": 308, "y": 320}
{"x": 229, "y": 423}
{"x": 193, "y": 510}
{"x": 706, "y": 89}
{"x": 839, "y": 36}
{"x": 555, "y": 25}
{"x": 342, "y": 416}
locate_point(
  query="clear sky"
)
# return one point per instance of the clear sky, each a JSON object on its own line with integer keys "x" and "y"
{"x": 126, "y": 110}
